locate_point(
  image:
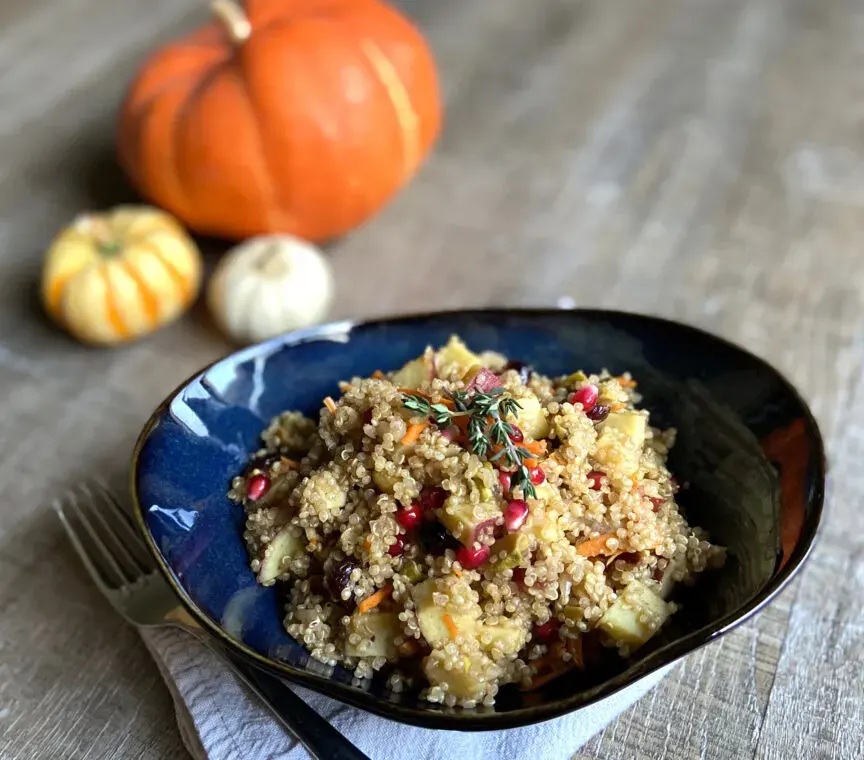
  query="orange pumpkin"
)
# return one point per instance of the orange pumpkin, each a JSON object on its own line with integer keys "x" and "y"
{"x": 284, "y": 116}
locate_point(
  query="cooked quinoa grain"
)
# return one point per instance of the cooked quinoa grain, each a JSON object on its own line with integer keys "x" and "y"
{"x": 467, "y": 523}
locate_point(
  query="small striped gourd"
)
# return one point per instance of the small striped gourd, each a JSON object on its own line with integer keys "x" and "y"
{"x": 114, "y": 277}
{"x": 282, "y": 116}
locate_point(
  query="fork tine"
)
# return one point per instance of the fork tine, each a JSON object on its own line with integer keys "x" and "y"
{"x": 100, "y": 563}
{"x": 126, "y": 534}
{"x": 102, "y": 521}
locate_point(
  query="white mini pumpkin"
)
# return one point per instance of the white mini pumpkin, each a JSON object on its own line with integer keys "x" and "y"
{"x": 270, "y": 285}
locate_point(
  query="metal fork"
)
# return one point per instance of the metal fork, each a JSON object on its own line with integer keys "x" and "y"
{"x": 117, "y": 559}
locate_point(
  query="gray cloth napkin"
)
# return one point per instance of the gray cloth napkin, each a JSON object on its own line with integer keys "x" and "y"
{"x": 220, "y": 720}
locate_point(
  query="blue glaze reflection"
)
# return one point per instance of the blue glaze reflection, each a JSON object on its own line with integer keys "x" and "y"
{"x": 182, "y": 518}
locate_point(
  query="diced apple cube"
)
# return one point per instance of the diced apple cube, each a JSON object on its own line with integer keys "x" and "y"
{"x": 624, "y": 431}
{"x": 285, "y": 544}
{"x": 636, "y": 615}
{"x": 514, "y": 547}
{"x": 416, "y": 372}
{"x": 380, "y": 629}
{"x": 465, "y": 678}
{"x": 466, "y": 520}
{"x": 430, "y": 617}
{"x": 507, "y": 637}
{"x": 455, "y": 357}
{"x": 531, "y": 418}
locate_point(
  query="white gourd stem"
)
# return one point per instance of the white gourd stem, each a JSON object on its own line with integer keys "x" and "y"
{"x": 234, "y": 19}
{"x": 105, "y": 239}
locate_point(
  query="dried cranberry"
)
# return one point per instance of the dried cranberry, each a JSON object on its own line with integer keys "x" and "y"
{"x": 587, "y": 396}
{"x": 517, "y": 435}
{"x": 409, "y": 517}
{"x": 257, "y": 486}
{"x": 598, "y": 413}
{"x": 434, "y": 537}
{"x": 397, "y": 547}
{"x": 367, "y": 417}
{"x": 547, "y": 631}
{"x": 471, "y": 557}
{"x": 515, "y": 514}
{"x": 519, "y": 576}
{"x": 595, "y": 478}
{"x": 525, "y": 370}
{"x": 339, "y": 577}
{"x": 537, "y": 475}
{"x": 432, "y": 498}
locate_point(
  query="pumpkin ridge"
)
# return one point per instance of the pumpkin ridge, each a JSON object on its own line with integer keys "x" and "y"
{"x": 169, "y": 267}
{"x": 111, "y": 310}
{"x": 174, "y": 81}
{"x": 266, "y": 175}
{"x": 406, "y": 115}
{"x": 151, "y": 306}
{"x": 193, "y": 94}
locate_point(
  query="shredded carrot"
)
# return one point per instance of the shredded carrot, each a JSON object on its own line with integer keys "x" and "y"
{"x": 344, "y": 386}
{"x": 330, "y": 404}
{"x": 538, "y": 448}
{"x": 594, "y": 547}
{"x": 292, "y": 463}
{"x": 451, "y": 625}
{"x": 371, "y": 602}
{"x": 457, "y": 572}
{"x": 368, "y": 544}
{"x": 413, "y": 432}
{"x": 530, "y": 462}
{"x": 616, "y": 406}
{"x": 378, "y": 374}
{"x": 626, "y": 382}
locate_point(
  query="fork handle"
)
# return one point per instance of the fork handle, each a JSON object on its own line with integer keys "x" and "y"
{"x": 320, "y": 738}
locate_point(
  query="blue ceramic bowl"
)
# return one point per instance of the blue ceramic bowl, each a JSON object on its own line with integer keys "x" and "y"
{"x": 747, "y": 445}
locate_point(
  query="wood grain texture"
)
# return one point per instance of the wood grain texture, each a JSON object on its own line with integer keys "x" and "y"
{"x": 696, "y": 159}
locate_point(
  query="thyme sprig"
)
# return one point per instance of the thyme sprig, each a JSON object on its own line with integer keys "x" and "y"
{"x": 486, "y": 428}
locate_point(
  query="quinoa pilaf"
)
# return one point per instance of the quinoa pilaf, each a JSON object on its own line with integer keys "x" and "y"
{"x": 466, "y": 522}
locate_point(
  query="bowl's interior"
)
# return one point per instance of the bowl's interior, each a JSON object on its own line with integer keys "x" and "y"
{"x": 748, "y": 453}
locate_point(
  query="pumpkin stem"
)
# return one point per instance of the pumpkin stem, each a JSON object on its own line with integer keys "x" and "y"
{"x": 234, "y": 19}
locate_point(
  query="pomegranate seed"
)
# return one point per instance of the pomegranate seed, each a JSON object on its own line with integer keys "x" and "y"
{"x": 547, "y": 631}
{"x": 517, "y": 436}
{"x": 397, "y": 547}
{"x": 257, "y": 486}
{"x": 515, "y": 514}
{"x": 586, "y": 396}
{"x": 519, "y": 576}
{"x": 598, "y": 413}
{"x": 537, "y": 475}
{"x": 596, "y": 479}
{"x": 471, "y": 557}
{"x": 409, "y": 517}
{"x": 432, "y": 498}
{"x": 505, "y": 479}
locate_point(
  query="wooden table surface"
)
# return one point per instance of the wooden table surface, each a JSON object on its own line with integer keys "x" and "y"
{"x": 697, "y": 159}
